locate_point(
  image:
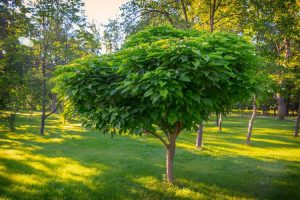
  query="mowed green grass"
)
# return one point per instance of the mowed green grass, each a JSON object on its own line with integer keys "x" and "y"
{"x": 70, "y": 163}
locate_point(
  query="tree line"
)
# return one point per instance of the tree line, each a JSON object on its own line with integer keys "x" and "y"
{"x": 35, "y": 37}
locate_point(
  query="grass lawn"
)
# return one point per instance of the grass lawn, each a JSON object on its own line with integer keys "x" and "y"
{"x": 70, "y": 163}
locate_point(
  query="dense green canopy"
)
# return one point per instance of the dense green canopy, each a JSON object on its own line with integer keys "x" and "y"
{"x": 161, "y": 77}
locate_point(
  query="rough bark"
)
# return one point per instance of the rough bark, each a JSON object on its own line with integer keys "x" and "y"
{"x": 220, "y": 123}
{"x": 281, "y": 106}
{"x": 251, "y": 121}
{"x": 298, "y": 119}
{"x": 199, "y": 136}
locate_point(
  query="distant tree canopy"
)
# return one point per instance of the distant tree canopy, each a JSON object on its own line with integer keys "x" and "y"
{"x": 169, "y": 85}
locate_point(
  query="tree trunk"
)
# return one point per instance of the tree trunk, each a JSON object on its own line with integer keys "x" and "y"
{"x": 217, "y": 119}
{"x": 212, "y": 15}
{"x": 220, "y": 123}
{"x": 53, "y": 103}
{"x": 44, "y": 87}
{"x": 199, "y": 136}
{"x": 44, "y": 93}
{"x": 287, "y": 105}
{"x": 169, "y": 158}
{"x": 298, "y": 118}
{"x": 281, "y": 107}
{"x": 264, "y": 109}
{"x": 251, "y": 121}
{"x": 183, "y": 5}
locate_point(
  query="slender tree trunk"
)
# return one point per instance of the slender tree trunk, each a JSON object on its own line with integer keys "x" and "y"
{"x": 44, "y": 93}
{"x": 217, "y": 118}
{"x": 53, "y": 103}
{"x": 251, "y": 121}
{"x": 199, "y": 136}
{"x": 212, "y": 15}
{"x": 293, "y": 112}
{"x": 281, "y": 106}
{"x": 169, "y": 158}
{"x": 220, "y": 123}
{"x": 298, "y": 118}
{"x": 287, "y": 105}
{"x": 44, "y": 86}
{"x": 183, "y": 5}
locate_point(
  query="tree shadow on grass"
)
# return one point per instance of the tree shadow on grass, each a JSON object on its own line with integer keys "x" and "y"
{"x": 77, "y": 165}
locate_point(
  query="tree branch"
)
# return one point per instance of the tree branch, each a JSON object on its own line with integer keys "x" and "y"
{"x": 218, "y": 5}
{"x": 53, "y": 111}
{"x": 165, "y": 13}
{"x": 167, "y": 135}
{"x": 159, "y": 137}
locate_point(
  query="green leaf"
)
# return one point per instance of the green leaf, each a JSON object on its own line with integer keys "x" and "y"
{"x": 154, "y": 115}
{"x": 184, "y": 58}
{"x": 185, "y": 78}
{"x": 74, "y": 92}
{"x": 206, "y": 73}
{"x": 206, "y": 58}
{"x": 228, "y": 57}
{"x": 155, "y": 97}
{"x": 163, "y": 93}
{"x": 196, "y": 51}
{"x": 162, "y": 83}
{"x": 196, "y": 63}
{"x": 148, "y": 93}
{"x": 172, "y": 119}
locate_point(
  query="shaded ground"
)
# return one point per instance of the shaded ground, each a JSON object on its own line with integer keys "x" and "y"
{"x": 70, "y": 163}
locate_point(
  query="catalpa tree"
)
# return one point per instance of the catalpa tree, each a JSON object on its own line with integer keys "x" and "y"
{"x": 164, "y": 80}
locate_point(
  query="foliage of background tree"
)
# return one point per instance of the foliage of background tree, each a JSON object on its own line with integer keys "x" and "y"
{"x": 15, "y": 58}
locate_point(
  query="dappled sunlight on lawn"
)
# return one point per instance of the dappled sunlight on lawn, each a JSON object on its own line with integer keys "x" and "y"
{"x": 40, "y": 170}
{"x": 71, "y": 163}
{"x": 25, "y": 169}
{"x": 155, "y": 185}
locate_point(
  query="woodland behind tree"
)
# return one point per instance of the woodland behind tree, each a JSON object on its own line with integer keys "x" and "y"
{"x": 59, "y": 32}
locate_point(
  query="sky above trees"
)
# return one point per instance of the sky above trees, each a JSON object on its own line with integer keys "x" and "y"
{"x": 100, "y": 10}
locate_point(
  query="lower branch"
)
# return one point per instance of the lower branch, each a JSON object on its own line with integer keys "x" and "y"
{"x": 53, "y": 111}
{"x": 159, "y": 137}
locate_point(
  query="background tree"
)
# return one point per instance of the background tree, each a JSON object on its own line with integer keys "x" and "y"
{"x": 15, "y": 59}
{"x": 60, "y": 34}
{"x": 274, "y": 27}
